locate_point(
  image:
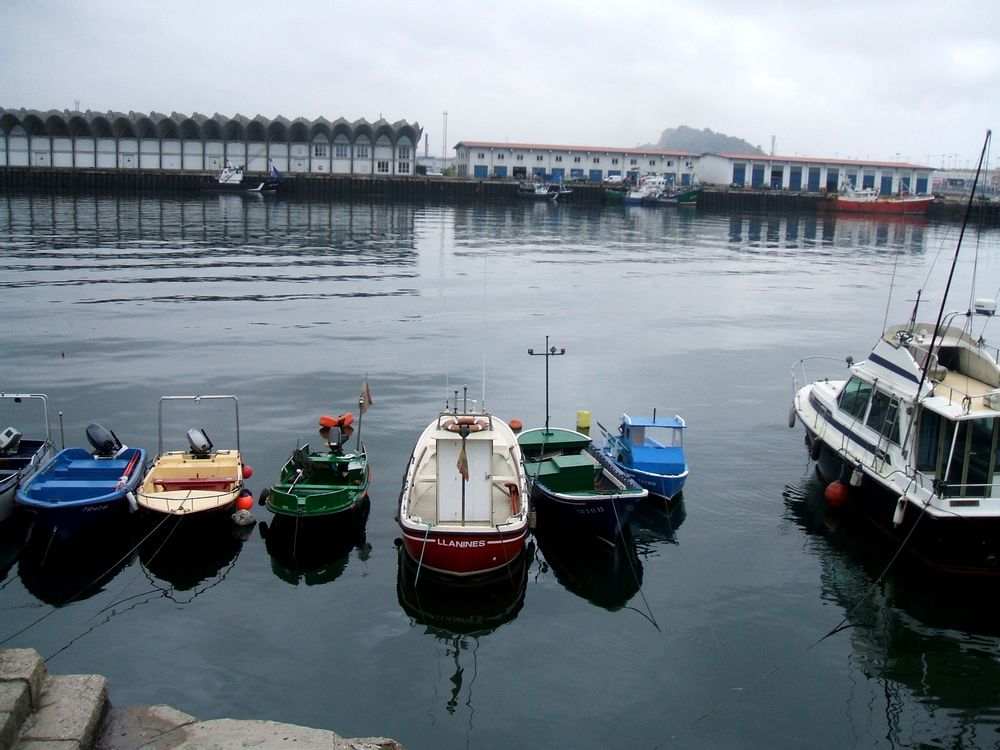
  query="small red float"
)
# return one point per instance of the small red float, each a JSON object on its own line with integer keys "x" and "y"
{"x": 247, "y": 471}
{"x": 836, "y": 493}
{"x": 244, "y": 502}
{"x": 515, "y": 424}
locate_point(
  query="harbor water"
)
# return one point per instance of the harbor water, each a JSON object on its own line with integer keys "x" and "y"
{"x": 748, "y": 615}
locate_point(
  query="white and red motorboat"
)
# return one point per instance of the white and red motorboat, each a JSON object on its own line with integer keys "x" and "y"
{"x": 868, "y": 201}
{"x": 463, "y": 509}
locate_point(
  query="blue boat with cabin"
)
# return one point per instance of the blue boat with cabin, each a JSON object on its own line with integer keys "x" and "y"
{"x": 659, "y": 467}
{"x": 79, "y": 489}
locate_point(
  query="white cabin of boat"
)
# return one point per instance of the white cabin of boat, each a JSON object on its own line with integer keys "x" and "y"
{"x": 491, "y": 495}
{"x": 941, "y": 447}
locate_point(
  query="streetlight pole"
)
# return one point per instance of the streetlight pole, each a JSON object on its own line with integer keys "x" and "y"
{"x": 444, "y": 142}
{"x": 549, "y": 352}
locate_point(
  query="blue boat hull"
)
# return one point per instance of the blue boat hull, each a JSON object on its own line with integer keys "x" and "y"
{"x": 76, "y": 491}
{"x": 661, "y": 485}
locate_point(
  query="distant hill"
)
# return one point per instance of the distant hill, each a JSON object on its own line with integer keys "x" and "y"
{"x": 701, "y": 141}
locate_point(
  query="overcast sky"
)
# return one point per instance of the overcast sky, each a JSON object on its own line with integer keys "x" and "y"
{"x": 862, "y": 79}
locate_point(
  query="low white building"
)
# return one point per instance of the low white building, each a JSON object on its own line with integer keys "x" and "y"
{"x": 521, "y": 161}
{"x": 805, "y": 174}
{"x": 136, "y": 141}
{"x": 485, "y": 159}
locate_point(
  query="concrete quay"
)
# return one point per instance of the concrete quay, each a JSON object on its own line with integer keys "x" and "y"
{"x": 39, "y": 711}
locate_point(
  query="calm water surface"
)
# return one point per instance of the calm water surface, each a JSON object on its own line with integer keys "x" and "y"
{"x": 705, "y": 632}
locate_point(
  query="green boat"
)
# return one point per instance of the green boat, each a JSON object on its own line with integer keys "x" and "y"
{"x": 321, "y": 483}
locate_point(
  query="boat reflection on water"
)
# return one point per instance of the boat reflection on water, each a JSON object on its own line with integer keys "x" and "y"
{"x": 13, "y": 534}
{"x": 457, "y": 612}
{"x": 315, "y": 550}
{"x": 655, "y": 521}
{"x": 921, "y": 637}
{"x": 462, "y": 606}
{"x": 605, "y": 576}
{"x": 58, "y": 570}
{"x": 183, "y": 552}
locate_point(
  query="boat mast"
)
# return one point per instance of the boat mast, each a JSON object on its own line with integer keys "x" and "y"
{"x": 954, "y": 262}
{"x": 549, "y": 352}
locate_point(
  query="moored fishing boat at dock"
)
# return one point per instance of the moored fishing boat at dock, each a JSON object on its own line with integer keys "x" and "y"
{"x": 20, "y": 457}
{"x": 202, "y": 482}
{"x": 83, "y": 489}
{"x": 463, "y": 508}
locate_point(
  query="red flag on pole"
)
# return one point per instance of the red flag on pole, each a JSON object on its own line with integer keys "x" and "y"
{"x": 463, "y": 463}
{"x": 366, "y": 397}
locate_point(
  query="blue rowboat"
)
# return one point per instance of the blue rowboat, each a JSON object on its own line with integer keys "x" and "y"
{"x": 659, "y": 467}
{"x": 79, "y": 489}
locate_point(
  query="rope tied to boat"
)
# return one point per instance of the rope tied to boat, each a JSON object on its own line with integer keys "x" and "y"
{"x": 420, "y": 562}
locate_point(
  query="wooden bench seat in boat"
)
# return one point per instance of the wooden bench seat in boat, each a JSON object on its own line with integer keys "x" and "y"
{"x": 304, "y": 487}
{"x": 111, "y": 464}
{"x": 223, "y": 484}
{"x": 78, "y": 484}
{"x": 70, "y": 490}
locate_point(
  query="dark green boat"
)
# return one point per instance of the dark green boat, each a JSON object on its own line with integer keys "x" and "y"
{"x": 320, "y": 483}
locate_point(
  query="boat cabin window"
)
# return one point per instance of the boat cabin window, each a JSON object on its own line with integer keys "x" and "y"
{"x": 883, "y": 417}
{"x": 930, "y": 441}
{"x": 948, "y": 357}
{"x": 964, "y": 455}
{"x": 983, "y": 457}
{"x": 854, "y": 397}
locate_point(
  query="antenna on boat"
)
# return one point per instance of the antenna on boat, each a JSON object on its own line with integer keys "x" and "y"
{"x": 549, "y": 352}
{"x": 913, "y": 315}
{"x": 954, "y": 262}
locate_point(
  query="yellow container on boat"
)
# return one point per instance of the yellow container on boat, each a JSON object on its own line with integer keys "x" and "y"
{"x": 583, "y": 422}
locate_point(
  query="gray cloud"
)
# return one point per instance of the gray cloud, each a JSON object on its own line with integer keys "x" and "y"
{"x": 859, "y": 79}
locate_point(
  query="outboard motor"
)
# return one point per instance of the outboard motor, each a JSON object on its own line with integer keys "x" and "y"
{"x": 106, "y": 443}
{"x": 9, "y": 440}
{"x": 200, "y": 444}
{"x": 335, "y": 439}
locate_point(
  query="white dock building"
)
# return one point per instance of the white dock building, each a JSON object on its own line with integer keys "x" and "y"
{"x": 486, "y": 159}
{"x": 521, "y": 161}
{"x": 136, "y": 141}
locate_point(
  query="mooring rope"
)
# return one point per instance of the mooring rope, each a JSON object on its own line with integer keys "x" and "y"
{"x": 84, "y": 588}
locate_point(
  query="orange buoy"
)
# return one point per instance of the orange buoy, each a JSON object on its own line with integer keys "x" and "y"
{"x": 346, "y": 419}
{"x": 515, "y": 424}
{"x": 247, "y": 471}
{"x": 327, "y": 421}
{"x": 836, "y": 493}
{"x": 244, "y": 502}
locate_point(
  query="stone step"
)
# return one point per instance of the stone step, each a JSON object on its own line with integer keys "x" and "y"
{"x": 40, "y": 710}
{"x": 22, "y": 679}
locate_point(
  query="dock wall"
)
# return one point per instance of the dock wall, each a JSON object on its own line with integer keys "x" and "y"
{"x": 419, "y": 188}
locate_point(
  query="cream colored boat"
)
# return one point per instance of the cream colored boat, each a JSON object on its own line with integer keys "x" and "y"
{"x": 199, "y": 480}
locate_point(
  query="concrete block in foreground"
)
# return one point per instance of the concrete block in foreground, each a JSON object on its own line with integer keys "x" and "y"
{"x": 165, "y": 728}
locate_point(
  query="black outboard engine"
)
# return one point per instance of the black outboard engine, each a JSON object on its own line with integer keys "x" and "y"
{"x": 106, "y": 443}
{"x": 200, "y": 444}
{"x": 334, "y": 440}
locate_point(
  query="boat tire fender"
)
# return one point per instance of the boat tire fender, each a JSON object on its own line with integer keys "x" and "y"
{"x": 471, "y": 423}
{"x": 815, "y": 448}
